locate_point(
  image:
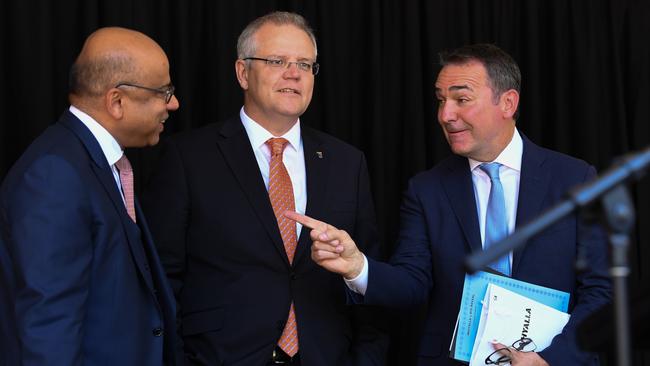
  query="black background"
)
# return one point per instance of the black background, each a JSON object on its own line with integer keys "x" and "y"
{"x": 585, "y": 66}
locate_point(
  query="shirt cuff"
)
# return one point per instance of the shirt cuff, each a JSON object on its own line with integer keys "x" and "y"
{"x": 359, "y": 284}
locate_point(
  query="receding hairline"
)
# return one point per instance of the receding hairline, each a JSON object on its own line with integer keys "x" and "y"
{"x": 246, "y": 42}
{"x": 109, "y": 56}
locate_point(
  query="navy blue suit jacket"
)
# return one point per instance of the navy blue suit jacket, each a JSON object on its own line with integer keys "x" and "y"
{"x": 220, "y": 244}
{"x": 439, "y": 228}
{"x": 83, "y": 282}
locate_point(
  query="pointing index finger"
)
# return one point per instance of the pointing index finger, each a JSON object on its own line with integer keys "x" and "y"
{"x": 306, "y": 221}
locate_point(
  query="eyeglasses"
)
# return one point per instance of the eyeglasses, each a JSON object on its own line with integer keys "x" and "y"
{"x": 167, "y": 91}
{"x": 521, "y": 345}
{"x": 280, "y": 64}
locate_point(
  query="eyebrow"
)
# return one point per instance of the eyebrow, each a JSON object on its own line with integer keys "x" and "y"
{"x": 457, "y": 87}
{"x": 298, "y": 59}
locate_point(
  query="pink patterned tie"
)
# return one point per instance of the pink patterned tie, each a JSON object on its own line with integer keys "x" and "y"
{"x": 281, "y": 195}
{"x": 126, "y": 178}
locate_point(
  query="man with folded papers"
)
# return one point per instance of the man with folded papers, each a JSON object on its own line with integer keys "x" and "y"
{"x": 496, "y": 179}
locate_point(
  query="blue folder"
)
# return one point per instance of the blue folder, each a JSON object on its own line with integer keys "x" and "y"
{"x": 474, "y": 290}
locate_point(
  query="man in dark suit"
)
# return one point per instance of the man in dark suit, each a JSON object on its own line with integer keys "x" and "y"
{"x": 446, "y": 215}
{"x": 246, "y": 289}
{"x": 84, "y": 283}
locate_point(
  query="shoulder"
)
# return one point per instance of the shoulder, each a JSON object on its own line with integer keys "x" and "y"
{"x": 54, "y": 148}
{"x": 329, "y": 142}
{"x": 452, "y": 164}
{"x": 47, "y": 176}
{"x": 563, "y": 166}
{"x": 561, "y": 159}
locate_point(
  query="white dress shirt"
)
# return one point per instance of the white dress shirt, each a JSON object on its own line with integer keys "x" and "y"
{"x": 293, "y": 158}
{"x": 509, "y": 174}
{"x": 110, "y": 147}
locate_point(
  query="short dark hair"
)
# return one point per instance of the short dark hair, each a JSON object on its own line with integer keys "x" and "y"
{"x": 502, "y": 70}
{"x": 93, "y": 77}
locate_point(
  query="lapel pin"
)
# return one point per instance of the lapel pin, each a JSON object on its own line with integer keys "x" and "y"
{"x": 319, "y": 154}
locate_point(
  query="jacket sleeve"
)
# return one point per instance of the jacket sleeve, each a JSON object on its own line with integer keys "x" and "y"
{"x": 371, "y": 336}
{"x": 48, "y": 225}
{"x": 407, "y": 279}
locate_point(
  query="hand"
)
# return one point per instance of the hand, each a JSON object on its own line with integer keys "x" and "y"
{"x": 518, "y": 358}
{"x": 332, "y": 249}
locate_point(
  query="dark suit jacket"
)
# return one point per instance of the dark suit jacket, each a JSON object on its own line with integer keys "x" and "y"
{"x": 439, "y": 228}
{"x": 84, "y": 284}
{"x": 220, "y": 245}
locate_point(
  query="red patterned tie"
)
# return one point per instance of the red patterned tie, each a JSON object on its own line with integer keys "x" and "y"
{"x": 281, "y": 195}
{"x": 126, "y": 179}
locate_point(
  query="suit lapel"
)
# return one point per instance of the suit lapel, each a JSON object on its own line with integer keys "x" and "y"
{"x": 533, "y": 185}
{"x": 316, "y": 171}
{"x": 104, "y": 174}
{"x": 236, "y": 148}
{"x": 460, "y": 191}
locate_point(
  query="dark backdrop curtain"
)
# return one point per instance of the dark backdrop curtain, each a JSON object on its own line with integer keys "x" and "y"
{"x": 585, "y": 65}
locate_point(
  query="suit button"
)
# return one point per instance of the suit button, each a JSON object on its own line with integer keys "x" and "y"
{"x": 158, "y": 332}
{"x": 293, "y": 276}
{"x": 146, "y": 267}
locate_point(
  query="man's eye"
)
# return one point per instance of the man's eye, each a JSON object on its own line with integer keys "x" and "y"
{"x": 304, "y": 65}
{"x": 275, "y": 62}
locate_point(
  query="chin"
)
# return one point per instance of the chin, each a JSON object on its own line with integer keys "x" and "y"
{"x": 460, "y": 150}
{"x": 292, "y": 109}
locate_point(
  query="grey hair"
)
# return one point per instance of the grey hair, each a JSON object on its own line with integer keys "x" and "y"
{"x": 246, "y": 46}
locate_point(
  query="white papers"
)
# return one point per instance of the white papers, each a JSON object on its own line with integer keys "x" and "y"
{"x": 469, "y": 314}
{"x": 507, "y": 317}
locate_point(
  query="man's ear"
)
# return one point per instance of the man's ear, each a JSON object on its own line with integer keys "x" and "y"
{"x": 242, "y": 73}
{"x": 113, "y": 103}
{"x": 509, "y": 103}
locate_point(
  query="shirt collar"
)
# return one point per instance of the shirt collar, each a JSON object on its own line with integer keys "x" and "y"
{"x": 110, "y": 147}
{"x": 258, "y": 135}
{"x": 510, "y": 156}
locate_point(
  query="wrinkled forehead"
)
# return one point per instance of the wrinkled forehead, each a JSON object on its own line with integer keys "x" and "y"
{"x": 284, "y": 40}
{"x": 454, "y": 77}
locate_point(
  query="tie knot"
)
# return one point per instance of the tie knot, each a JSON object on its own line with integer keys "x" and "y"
{"x": 277, "y": 145}
{"x": 123, "y": 164}
{"x": 492, "y": 170}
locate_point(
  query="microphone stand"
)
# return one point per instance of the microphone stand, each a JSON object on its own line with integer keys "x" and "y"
{"x": 619, "y": 215}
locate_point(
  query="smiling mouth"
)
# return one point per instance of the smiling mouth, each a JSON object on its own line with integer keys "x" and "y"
{"x": 289, "y": 90}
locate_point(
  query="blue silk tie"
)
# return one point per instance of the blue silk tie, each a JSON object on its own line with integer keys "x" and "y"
{"x": 496, "y": 225}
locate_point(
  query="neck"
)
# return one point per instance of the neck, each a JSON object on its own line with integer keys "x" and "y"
{"x": 501, "y": 142}
{"x": 276, "y": 126}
